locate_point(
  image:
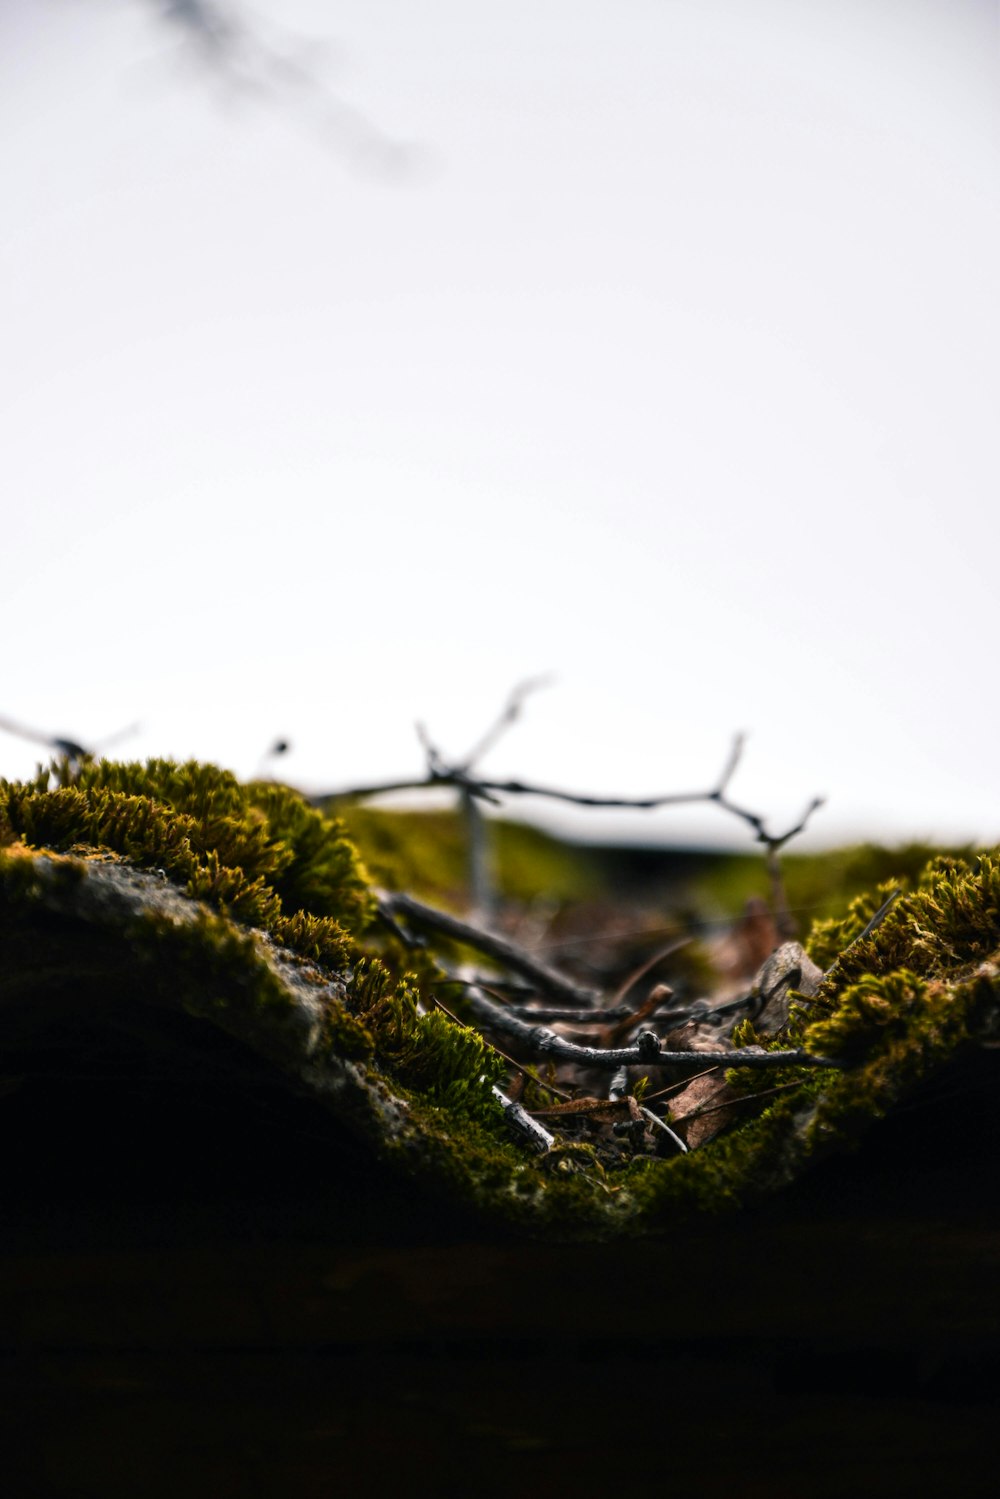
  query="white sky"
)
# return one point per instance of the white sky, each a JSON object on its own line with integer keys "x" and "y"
{"x": 669, "y": 367}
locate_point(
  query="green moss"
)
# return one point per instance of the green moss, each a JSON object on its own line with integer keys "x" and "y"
{"x": 818, "y": 885}
{"x": 896, "y": 1007}
{"x": 425, "y": 853}
{"x": 258, "y": 853}
{"x": 260, "y": 929}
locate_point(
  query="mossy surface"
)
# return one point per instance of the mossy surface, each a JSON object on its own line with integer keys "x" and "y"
{"x": 250, "y": 912}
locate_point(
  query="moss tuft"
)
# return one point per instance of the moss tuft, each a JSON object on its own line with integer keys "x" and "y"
{"x": 258, "y": 853}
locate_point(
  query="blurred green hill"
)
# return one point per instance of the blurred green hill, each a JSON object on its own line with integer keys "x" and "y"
{"x": 425, "y": 853}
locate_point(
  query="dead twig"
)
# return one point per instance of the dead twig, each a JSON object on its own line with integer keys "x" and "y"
{"x": 875, "y": 922}
{"x": 520, "y": 1120}
{"x": 507, "y": 953}
{"x": 645, "y": 1052}
{"x": 508, "y": 715}
{"x": 442, "y": 774}
{"x": 67, "y": 749}
{"x": 679, "y": 1087}
{"x": 573, "y": 1016}
{"x": 662, "y": 1124}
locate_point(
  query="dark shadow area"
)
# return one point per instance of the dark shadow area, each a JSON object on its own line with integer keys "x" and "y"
{"x": 207, "y": 1286}
{"x": 170, "y": 1134}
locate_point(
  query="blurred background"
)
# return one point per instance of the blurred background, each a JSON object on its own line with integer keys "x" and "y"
{"x": 361, "y": 360}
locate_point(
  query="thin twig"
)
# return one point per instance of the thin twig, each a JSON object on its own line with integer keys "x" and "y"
{"x": 679, "y": 1087}
{"x": 505, "y": 952}
{"x": 520, "y": 1120}
{"x": 662, "y": 1124}
{"x": 729, "y": 769}
{"x": 647, "y": 967}
{"x": 876, "y": 921}
{"x": 545, "y": 1014}
{"x": 508, "y": 715}
{"x": 699, "y": 1010}
{"x": 70, "y": 749}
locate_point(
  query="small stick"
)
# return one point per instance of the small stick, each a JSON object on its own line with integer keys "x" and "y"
{"x": 520, "y": 1120}
{"x": 662, "y": 1124}
{"x": 507, "y": 953}
{"x": 509, "y": 714}
{"x": 876, "y": 921}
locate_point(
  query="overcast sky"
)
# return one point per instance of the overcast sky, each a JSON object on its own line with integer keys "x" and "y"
{"x": 389, "y": 353}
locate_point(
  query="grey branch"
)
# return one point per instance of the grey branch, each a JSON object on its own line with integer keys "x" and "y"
{"x": 441, "y": 774}
{"x": 662, "y": 1124}
{"x": 69, "y": 749}
{"x": 876, "y": 921}
{"x": 508, "y": 715}
{"x": 646, "y": 1051}
{"x": 572, "y": 1015}
{"x": 520, "y": 1120}
{"x": 548, "y": 980}
{"x": 237, "y": 49}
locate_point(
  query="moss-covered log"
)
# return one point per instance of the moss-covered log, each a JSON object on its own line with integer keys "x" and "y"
{"x": 171, "y": 901}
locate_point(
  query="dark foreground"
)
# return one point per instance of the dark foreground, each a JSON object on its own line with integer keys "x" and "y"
{"x": 204, "y": 1299}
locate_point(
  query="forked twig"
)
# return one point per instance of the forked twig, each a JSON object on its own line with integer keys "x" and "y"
{"x": 442, "y": 774}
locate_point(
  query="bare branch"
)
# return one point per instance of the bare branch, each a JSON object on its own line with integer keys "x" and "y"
{"x": 70, "y": 749}
{"x": 518, "y": 1067}
{"x": 680, "y": 1086}
{"x": 509, "y": 714}
{"x": 730, "y": 1103}
{"x": 441, "y": 774}
{"x": 238, "y": 50}
{"x": 645, "y": 1052}
{"x": 729, "y": 769}
{"x": 755, "y": 821}
{"x": 662, "y": 1124}
{"x": 507, "y": 953}
{"x": 574, "y": 1016}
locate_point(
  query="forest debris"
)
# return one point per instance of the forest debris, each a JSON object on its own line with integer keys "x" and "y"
{"x": 522, "y": 1122}
{"x": 788, "y": 970}
{"x": 686, "y": 1117}
{"x": 647, "y": 1050}
{"x": 748, "y": 943}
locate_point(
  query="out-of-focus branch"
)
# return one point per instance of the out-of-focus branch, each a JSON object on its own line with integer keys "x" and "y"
{"x": 69, "y": 749}
{"x": 393, "y": 906}
{"x": 441, "y": 774}
{"x": 508, "y": 716}
{"x": 60, "y": 746}
{"x": 274, "y": 69}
